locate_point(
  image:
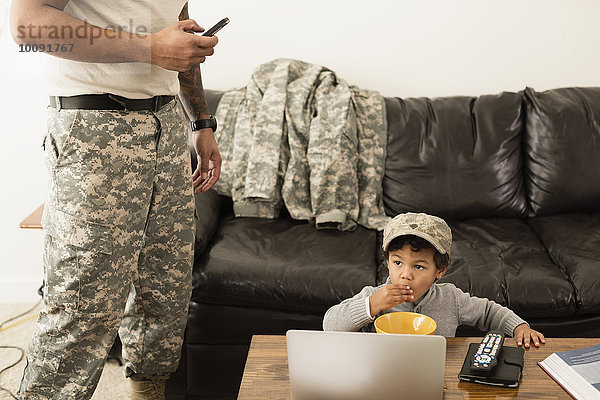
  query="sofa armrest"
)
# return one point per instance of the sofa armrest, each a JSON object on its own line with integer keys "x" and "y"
{"x": 207, "y": 215}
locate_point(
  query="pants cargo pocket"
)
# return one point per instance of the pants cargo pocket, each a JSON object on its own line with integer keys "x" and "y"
{"x": 40, "y": 376}
{"x": 51, "y": 361}
{"x": 77, "y": 263}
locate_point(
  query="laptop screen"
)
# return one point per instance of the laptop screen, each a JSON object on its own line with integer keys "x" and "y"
{"x": 353, "y": 365}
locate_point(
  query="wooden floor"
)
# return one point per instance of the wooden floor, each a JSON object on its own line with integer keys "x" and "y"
{"x": 18, "y": 333}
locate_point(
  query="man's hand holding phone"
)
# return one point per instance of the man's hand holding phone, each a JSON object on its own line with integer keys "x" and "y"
{"x": 173, "y": 48}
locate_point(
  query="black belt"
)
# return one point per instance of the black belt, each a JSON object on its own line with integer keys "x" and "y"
{"x": 109, "y": 102}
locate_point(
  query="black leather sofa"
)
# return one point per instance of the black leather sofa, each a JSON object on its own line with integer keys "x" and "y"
{"x": 516, "y": 175}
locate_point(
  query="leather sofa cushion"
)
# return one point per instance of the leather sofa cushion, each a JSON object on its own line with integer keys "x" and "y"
{"x": 573, "y": 241}
{"x": 561, "y": 149}
{"x": 221, "y": 324}
{"x": 208, "y": 209}
{"x": 455, "y": 157}
{"x": 283, "y": 264}
{"x": 212, "y": 99}
{"x": 503, "y": 259}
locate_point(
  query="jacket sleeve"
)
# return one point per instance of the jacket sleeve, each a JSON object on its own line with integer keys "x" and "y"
{"x": 485, "y": 314}
{"x": 371, "y": 123}
{"x": 227, "y": 113}
{"x": 351, "y": 314}
{"x": 332, "y": 156}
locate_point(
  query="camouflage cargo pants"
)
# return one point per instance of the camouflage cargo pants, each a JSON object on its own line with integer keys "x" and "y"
{"x": 118, "y": 248}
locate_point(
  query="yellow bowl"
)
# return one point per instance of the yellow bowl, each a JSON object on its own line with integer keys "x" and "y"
{"x": 405, "y": 322}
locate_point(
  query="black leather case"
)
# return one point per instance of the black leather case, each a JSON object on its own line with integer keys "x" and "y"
{"x": 506, "y": 373}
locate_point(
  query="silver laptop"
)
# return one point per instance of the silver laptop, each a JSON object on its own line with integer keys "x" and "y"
{"x": 362, "y": 366}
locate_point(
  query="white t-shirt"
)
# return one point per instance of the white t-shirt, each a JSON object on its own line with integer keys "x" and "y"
{"x": 132, "y": 80}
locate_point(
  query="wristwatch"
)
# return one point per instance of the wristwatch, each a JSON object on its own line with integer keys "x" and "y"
{"x": 210, "y": 122}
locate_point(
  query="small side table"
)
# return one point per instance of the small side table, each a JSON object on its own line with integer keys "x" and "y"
{"x": 33, "y": 220}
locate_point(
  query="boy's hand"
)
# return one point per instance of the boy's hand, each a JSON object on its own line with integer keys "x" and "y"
{"x": 389, "y": 296}
{"x": 524, "y": 335}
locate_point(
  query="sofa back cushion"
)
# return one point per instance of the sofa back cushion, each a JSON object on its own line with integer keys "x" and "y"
{"x": 562, "y": 150}
{"x": 455, "y": 157}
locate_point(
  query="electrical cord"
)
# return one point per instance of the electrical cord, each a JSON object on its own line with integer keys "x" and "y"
{"x": 18, "y": 316}
{"x": 2, "y": 328}
{"x": 2, "y": 388}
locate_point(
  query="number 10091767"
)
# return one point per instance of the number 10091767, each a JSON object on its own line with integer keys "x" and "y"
{"x": 46, "y": 48}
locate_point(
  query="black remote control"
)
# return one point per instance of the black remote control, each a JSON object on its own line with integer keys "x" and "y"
{"x": 486, "y": 356}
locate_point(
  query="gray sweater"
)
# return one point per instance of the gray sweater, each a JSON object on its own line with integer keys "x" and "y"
{"x": 445, "y": 303}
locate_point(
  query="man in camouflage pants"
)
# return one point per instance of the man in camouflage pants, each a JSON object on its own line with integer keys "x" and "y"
{"x": 118, "y": 220}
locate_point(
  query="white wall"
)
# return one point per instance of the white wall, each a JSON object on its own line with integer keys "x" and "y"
{"x": 413, "y": 48}
{"x": 401, "y": 48}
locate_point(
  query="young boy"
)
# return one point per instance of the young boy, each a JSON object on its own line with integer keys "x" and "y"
{"x": 417, "y": 251}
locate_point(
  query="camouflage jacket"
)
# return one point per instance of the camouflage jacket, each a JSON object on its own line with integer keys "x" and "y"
{"x": 299, "y": 136}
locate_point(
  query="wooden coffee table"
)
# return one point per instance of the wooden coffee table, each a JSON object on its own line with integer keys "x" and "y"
{"x": 266, "y": 373}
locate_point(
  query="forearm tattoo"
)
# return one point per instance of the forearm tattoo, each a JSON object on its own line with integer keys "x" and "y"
{"x": 191, "y": 90}
{"x": 191, "y": 93}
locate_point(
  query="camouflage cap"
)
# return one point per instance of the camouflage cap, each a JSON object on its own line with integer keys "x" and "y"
{"x": 433, "y": 229}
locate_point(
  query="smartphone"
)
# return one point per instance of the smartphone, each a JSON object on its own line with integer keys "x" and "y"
{"x": 217, "y": 27}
